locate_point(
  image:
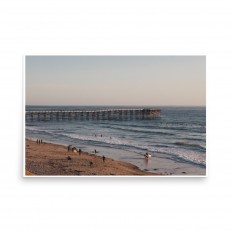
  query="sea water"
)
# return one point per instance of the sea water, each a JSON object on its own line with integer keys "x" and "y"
{"x": 178, "y": 134}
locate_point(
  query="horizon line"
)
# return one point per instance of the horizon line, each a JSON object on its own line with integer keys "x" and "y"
{"x": 115, "y": 105}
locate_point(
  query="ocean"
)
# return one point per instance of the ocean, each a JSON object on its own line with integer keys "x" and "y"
{"x": 178, "y": 136}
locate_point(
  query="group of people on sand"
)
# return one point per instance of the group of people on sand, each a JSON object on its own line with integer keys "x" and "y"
{"x": 74, "y": 149}
{"x": 39, "y": 141}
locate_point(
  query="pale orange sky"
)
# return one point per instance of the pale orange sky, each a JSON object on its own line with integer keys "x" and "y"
{"x": 116, "y": 80}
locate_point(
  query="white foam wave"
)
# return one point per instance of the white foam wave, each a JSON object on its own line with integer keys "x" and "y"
{"x": 186, "y": 155}
{"x": 103, "y": 139}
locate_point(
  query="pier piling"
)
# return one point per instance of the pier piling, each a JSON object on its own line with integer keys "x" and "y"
{"x": 109, "y": 114}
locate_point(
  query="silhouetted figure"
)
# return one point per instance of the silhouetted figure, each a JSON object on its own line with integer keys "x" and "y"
{"x": 101, "y": 135}
{"x": 147, "y": 155}
{"x": 69, "y": 147}
{"x": 39, "y": 141}
{"x": 104, "y": 158}
{"x": 146, "y": 162}
{"x": 91, "y": 163}
{"x": 80, "y": 151}
{"x": 68, "y": 158}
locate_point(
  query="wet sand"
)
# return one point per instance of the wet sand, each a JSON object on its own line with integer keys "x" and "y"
{"x": 48, "y": 159}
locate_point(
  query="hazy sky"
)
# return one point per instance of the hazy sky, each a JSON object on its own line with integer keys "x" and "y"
{"x": 116, "y": 80}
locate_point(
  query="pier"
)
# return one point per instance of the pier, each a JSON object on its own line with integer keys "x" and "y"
{"x": 109, "y": 114}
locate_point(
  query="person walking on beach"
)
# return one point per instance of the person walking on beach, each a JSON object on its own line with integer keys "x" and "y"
{"x": 80, "y": 151}
{"x": 104, "y": 158}
{"x": 69, "y": 147}
{"x": 37, "y": 141}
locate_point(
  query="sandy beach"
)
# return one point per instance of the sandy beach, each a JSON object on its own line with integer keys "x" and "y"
{"x": 48, "y": 159}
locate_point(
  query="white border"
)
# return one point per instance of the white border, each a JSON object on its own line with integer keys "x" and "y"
{"x": 111, "y": 27}
{"x": 23, "y": 116}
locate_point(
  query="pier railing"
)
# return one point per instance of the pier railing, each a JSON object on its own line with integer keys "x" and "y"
{"x": 93, "y": 114}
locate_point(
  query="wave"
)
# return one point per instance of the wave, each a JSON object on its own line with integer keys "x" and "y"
{"x": 175, "y": 153}
{"x": 153, "y": 129}
{"x": 38, "y": 132}
{"x": 188, "y": 156}
{"x": 143, "y": 131}
{"x": 99, "y": 139}
{"x": 194, "y": 139}
{"x": 34, "y": 128}
{"x": 186, "y": 144}
{"x": 31, "y": 125}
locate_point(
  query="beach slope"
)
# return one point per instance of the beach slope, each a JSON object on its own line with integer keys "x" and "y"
{"x": 48, "y": 159}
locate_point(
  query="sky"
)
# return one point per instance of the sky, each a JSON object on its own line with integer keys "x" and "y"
{"x": 116, "y": 80}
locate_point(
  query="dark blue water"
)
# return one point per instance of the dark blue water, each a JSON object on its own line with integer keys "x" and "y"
{"x": 179, "y": 133}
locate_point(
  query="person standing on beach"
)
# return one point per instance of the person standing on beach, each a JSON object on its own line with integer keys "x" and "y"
{"x": 104, "y": 158}
{"x": 69, "y": 148}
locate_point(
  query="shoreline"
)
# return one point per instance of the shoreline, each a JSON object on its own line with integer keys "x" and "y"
{"x": 48, "y": 159}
